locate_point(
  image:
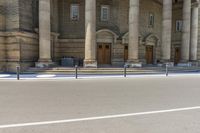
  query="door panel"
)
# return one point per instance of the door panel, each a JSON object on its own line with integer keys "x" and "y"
{"x": 104, "y": 54}
{"x": 100, "y": 54}
{"x": 177, "y": 55}
{"x": 107, "y": 54}
{"x": 125, "y": 53}
{"x": 149, "y": 54}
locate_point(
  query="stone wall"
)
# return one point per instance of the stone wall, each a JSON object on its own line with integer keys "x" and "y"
{"x": 2, "y": 52}
{"x": 154, "y": 8}
{"x": 118, "y": 54}
{"x": 70, "y": 48}
{"x": 71, "y": 29}
{"x": 17, "y": 48}
{"x": 12, "y": 15}
{"x": 26, "y": 15}
{"x": 2, "y": 15}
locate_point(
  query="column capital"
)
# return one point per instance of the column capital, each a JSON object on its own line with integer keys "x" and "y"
{"x": 195, "y": 4}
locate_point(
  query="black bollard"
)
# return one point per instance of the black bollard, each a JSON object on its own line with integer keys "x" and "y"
{"x": 125, "y": 70}
{"x": 167, "y": 70}
{"x": 76, "y": 71}
{"x": 18, "y": 72}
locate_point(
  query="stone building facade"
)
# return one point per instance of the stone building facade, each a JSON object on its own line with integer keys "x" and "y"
{"x": 98, "y": 32}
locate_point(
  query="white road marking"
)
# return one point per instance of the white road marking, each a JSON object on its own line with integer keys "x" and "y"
{"x": 45, "y": 76}
{"x": 97, "y": 118}
{"x": 4, "y": 75}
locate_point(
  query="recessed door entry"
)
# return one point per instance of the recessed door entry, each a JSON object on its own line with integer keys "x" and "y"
{"x": 125, "y": 53}
{"x": 149, "y": 54}
{"x": 104, "y": 53}
{"x": 177, "y": 56}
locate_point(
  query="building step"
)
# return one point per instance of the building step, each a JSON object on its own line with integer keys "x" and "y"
{"x": 65, "y": 70}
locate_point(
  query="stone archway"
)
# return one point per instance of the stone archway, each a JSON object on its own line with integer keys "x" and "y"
{"x": 105, "y": 40}
{"x": 151, "y": 43}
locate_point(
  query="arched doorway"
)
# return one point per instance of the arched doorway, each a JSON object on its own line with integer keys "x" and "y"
{"x": 105, "y": 41}
{"x": 151, "y": 49}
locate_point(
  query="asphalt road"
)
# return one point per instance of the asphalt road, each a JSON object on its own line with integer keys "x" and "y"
{"x": 38, "y": 101}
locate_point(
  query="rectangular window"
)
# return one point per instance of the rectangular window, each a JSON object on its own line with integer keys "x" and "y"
{"x": 151, "y": 20}
{"x": 105, "y": 13}
{"x": 179, "y": 25}
{"x": 74, "y": 12}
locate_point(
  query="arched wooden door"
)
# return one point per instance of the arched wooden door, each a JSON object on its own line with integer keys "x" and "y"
{"x": 149, "y": 54}
{"x": 104, "y": 53}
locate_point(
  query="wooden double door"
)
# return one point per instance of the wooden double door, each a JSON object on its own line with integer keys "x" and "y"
{"x": 149, "y": 54}
{"x": 104, "y": 53}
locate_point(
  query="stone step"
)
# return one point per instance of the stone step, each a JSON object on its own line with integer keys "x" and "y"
{"x": 63, "y": 70}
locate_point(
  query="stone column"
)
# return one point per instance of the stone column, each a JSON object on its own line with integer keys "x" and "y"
{"x": 44, "y": 34}
{"x": 90, "y": 34}
{"x": 166, "y": 30}
{"x": 185, "y": 47}
{"x": 194, "y": 33}
{"x": 133, "y": 45}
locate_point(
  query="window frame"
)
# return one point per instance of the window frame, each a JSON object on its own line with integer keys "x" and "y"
{"x": 179, "y": 25}
{"x": 151, "y": 20}
{"x": 102, "y": 13}
{"x": 72, "y": 8}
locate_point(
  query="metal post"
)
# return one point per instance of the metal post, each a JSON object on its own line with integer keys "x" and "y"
{"x": 18, "y": 72}
{"x": 76, "y": 71}
{"x": 125, "y": 70}
{"x": 167, "y": 70}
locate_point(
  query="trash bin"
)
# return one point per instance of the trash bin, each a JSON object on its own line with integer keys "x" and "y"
{"x": 67, "y": 62}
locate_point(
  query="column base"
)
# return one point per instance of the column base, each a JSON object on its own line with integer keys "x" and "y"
{"x": 45, "y": 64}
{"x": 90, "y": 63}
{"x": 195, "y": 63}
{"x": 164, "y": 62}
{"x": 184, "y": 64}
{"x": 133, "y": 63}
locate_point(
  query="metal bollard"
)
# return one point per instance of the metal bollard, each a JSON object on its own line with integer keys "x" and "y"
{"x": 167, "y": 70}
{"x": 18, "y": 72}
{"x": 125, "y": 70}
{"x": 76, "y": 71}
